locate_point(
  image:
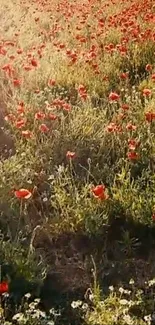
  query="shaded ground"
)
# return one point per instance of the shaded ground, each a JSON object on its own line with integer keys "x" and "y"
{"x": 71, "y": 257}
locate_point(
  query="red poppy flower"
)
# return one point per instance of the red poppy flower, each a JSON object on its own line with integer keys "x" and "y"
{"x": 19, "y": 51}
{"x": 20, "y": 109}
{"x": 12, "y": 57}
{"x": 7, "y": 43}
{"x": 81, "y": 88}
{"x": 17, "y": 82}
{"x": 51, "y": 82}
{"x": 66, "y": 107}
{"x": 39, "y": 116}
{"x": 10, "y": 117}
{"x": 133, "y": 144}
{"x": 34, "y": 63}
{"x": 132, "y": 155}
{"x": 52, "y": 117}
{"x": 27, "y": 134}
{"x": 99, "y": 192}
{"x": 149, "y": 116}
{"x": 131, "y": 127}
{"x": 153, "y": 216}
{"x": 3, "y": 51}
{"x": 83, "y": 95}
{"x": 20, "y": 123}
{"x": 82, "y": 92}
{"x": 146, "y": 92}
{"x": 148, "y": 67}
{"x": 124, "y": 75}
{"x": 27, "y": 68}
{"x": 114, "y": 96}
{"x": 111, "y": 127}
{"x": 70, "y": 154}
{"x": 23, "y": 193}
{"x": 43, "y": 128}
{"x": 4, "y": 287}
{"x": 125, "y": 107}
{"x": 6, "y": 67}
{"x": 153, "y": 77}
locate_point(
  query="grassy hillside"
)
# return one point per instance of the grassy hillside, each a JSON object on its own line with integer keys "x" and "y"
{"x": 77, "y": 166}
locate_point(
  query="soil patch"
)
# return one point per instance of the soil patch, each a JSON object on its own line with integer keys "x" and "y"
{"x": 69, "y": 257}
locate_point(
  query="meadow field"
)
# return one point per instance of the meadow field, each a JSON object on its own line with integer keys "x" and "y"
{"x": 77, "y": 162}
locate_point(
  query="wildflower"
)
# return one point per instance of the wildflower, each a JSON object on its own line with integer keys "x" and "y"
{"x": 146, "y": 92}
{"x": 76, "y": 304}
{"x": 70, "y": 154}
{"x": 99, "y": 192}
{"x": 84, "y": 306}
{"x": 148, "y": 319}
{"x": 19, "y": 51}
{"x": 52, "y": 117}
{"x": 151, "y": 282}
{"x": 111, "y": 127}
{"x": 153, "y": 216}
{"x": 121, "y": 290}
{"x": 131, "y": 127}
{"x": 27, "y": 68}
{"x": 82, "y": 92}
{"x": 132, "y": 143}
{"x": 17, "y": 82}
{"x": 34, "y": 63}
{"x": 43, "y": 128}
{"x": 9, "y": 118}
{"x": 148, "y": 67}
{"x": 27, "y": 295}
{"x": 124, "y": 75}
{"x": 23, "y": 193}
{"x": 39, "y": 116}
{"x": 27, "y": 134}
{"x": 128, "y": 320}
{"x": 123, "y": 302}
{"x": 125, "y": 107}
{"x": 4, "y": 287}
{"x": 20, "y": 123}
{"x": 83, "y": 95}
{"x": 150, "y": 116}
{"x": 132, "y": 155}
{"x": 114, "y": 96}
{"x": 153, "y": 77}
{"x": 18, "y": 317}
{"x": 66, "y": 107}
{"x": 111, "y": 288}
{"x": 12, "y": 57}
{"x": 51, "y": 82}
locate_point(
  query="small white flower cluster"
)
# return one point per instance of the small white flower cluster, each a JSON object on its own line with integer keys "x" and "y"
{"x": 32, "y": 314}
{"x": 79, "y": 304}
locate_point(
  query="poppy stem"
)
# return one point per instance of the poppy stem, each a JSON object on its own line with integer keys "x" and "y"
{"x": 19, "y": 221}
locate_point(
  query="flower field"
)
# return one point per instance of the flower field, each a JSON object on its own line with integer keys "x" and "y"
{"x": 77, "y": 161}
